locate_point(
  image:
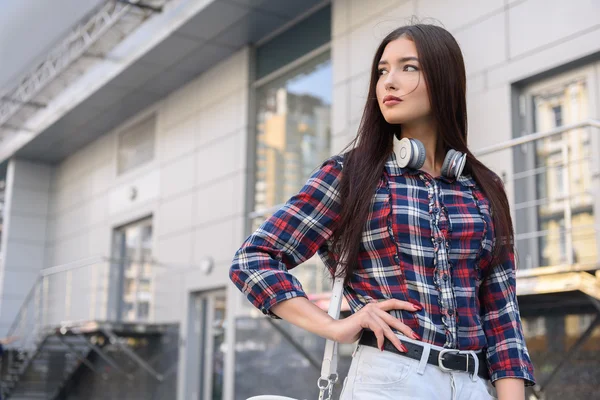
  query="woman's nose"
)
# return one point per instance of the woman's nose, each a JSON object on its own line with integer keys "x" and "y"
{"x": 389, "y": 83}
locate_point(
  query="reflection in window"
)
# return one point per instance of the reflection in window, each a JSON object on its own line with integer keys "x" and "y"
{"x": 293, "y": 131}
{"x": 565, "y": 220}
{"x": 218, "y": 355}
{"x": 293, "y": 139}
{"x": 557, "y": 111}
{"x": 133, "y": 256}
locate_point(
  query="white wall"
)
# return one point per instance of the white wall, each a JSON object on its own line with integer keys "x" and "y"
{"x": 216, "y": 171}
{"x": 194, "y": 188}
{"x": 24, "y": 239}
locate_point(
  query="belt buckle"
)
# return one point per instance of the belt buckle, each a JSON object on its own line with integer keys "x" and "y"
{"x": 441, "y": 359}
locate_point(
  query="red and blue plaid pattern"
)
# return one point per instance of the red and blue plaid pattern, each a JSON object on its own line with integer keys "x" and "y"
{"x": 428, "y": 241}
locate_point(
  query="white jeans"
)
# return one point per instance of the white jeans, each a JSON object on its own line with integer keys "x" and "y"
{"x": 382, "y": 375}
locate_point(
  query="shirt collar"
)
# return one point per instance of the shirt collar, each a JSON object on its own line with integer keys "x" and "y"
{"x": 393, "y": 169}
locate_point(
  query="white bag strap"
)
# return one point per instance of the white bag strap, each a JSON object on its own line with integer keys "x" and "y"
{"x": 329, "y": 374}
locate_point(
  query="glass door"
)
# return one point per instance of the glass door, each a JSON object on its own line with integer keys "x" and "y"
{"x": 132, "y": 257}
{"x": 206, "y": 344}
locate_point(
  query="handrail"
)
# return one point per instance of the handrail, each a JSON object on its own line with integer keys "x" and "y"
{"x": 75, "y": 265}
{"x": 15, "y": 323}
{"x": 535, "y": 136}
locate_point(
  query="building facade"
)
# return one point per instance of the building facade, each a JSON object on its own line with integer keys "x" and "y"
{"x": 128, "y": 201}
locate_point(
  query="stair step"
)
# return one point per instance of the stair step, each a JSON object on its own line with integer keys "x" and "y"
{"x": 28, "y": 396}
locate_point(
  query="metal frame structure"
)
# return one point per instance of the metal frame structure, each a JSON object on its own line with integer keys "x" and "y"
{"x": 78, "y": 43}
{"x": 70, "y": 49}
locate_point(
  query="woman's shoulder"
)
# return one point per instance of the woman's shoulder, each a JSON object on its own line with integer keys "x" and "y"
{"x": 336, "y": 160}
{"x": 334, "y": 164}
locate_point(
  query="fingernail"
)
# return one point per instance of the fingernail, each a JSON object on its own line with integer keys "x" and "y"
{"x": 417, "y": 307}
{"x": 403, "y": 349}
{"x": 416, "y": 336}
{"x": 381, "y": 347}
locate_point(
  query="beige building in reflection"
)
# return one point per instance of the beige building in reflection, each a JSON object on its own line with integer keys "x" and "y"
{"x": 564, "y": 183}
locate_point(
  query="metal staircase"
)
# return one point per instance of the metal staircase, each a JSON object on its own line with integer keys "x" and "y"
{"x": 52, "y": 353}
{"x": 48, "y": 368}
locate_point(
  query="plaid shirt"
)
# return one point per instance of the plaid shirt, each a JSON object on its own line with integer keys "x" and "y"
{"x": 427, "y": 241}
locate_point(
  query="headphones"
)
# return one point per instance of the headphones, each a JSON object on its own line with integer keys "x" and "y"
{"x": 411, "y": 153}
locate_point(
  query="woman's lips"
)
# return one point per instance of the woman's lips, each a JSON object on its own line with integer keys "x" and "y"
{"x": 390, "y": 100}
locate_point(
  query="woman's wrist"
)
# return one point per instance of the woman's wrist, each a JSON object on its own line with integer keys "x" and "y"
{"x": 303, "y": 313}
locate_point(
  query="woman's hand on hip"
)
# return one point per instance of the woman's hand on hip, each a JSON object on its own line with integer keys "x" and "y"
{"x": 374, "y": 316}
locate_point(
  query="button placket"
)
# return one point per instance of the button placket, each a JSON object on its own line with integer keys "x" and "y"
{"x": 440, "y": 232}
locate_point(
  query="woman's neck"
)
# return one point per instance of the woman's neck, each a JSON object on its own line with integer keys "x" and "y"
{"x": 428, "y": 135}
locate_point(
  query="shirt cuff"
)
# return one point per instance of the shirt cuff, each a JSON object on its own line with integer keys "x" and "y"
{"x": 515, "y": 373}
{"x": 278, "y": 298}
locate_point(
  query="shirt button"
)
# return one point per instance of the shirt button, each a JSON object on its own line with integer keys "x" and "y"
{"x": 436, "y": 210}
{"x": 396, "y": 259}
{"x": 445, "y": 277}
{"x": 439, "y": 240}
{"x": 451, "y": 312}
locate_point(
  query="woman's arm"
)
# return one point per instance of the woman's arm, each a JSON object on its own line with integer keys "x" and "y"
{"x": 510, "y": 389}
{"x": 506, "y": 352}
{"x": 292, "y": 235}
{"x": 374, "y": 316}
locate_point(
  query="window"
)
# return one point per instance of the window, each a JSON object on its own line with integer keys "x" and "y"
{"x": 293, "y": 130}
{"x": 136, "y": 145}
{"x": 557, "y": 111}
{"x": 552, "y": 190}
{"x": 293, "y": 139}
{"x": 292, "y": 113}
{"x": 132, "y": 250}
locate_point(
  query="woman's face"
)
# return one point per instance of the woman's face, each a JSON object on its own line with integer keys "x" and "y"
{"x": 401, "y": 88}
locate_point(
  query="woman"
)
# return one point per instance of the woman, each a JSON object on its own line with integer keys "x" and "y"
{"x": 430, "y": 273}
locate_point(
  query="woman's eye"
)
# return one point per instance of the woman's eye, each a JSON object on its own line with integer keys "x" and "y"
{"x": 381, "y": 72}
{"x": 410, "y": 68}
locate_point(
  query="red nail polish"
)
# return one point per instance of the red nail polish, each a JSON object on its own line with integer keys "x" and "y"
{"x": 381, "y": 348}
{"x": 416, "y": 336}
{"x": 403, "y": 349}
{"x": 416, "y": 305}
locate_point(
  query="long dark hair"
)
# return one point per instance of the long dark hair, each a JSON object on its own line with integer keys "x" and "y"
{"x": 444, "y": 71}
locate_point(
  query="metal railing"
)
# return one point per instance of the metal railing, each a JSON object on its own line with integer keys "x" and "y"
{"x": 88, "y": 290}
{"x": 54, "y": 300}
{"x": 554, "y": 181}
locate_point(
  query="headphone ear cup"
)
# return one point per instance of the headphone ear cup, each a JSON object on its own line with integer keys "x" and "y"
{"x": 418, "y": 154}
{"x": 404, "y": 152}
{"x": 462, "y": 160}
{"x": 447, "y": 163}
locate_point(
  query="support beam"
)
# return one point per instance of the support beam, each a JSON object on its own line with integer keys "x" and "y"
{"x": 131, "y": 354}
{"x": 31, "y": 103}
{"x": 106, "y": 358}
{"x": 572, "y": 351}
{"x": 140, "y": 4}
{"x": 79, "y": 357}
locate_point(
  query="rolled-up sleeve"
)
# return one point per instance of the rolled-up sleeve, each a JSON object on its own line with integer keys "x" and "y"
{"x": 507, "y": 353}
{"x": 292, "y": 235}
